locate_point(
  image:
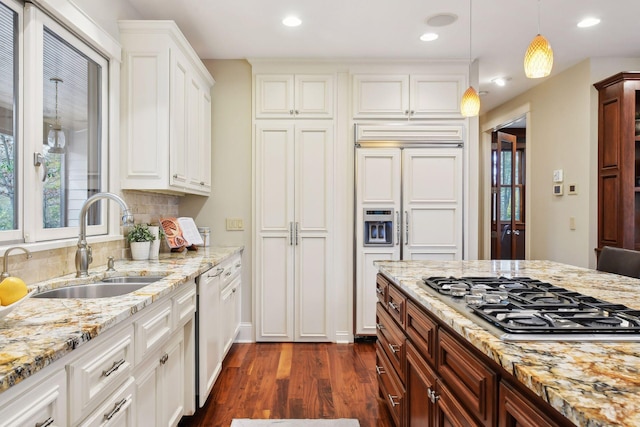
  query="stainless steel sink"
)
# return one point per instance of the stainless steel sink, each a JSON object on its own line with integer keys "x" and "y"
{"x": 132, "y": 279}
{"x": 93, "y": 290}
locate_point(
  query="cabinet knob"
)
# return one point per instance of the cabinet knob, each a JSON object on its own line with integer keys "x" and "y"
{"x": 201, "y": 182}
{"x": 291, "y": 112}
{"x": 175, "y": 176}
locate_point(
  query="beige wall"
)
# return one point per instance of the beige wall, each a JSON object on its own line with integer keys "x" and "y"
{"x": 230, "y": 166}
{"x": 562, "y": 134}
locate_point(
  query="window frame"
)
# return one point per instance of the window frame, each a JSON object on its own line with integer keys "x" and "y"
{"x": 66, "y": 14}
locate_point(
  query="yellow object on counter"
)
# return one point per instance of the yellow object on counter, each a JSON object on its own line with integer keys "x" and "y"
{"x": 12, "y": 289}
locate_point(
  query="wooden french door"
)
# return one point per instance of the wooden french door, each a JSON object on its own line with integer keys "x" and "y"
{"x": 507, "y": 197}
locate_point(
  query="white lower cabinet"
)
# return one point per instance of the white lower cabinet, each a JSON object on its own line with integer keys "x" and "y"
{"x": 43, "y": 403}
{"x": 159, "y": 385}
{"x": 118, "y": 410}
{"x": 230, "y": 302}
{"x": 101, "y": 369}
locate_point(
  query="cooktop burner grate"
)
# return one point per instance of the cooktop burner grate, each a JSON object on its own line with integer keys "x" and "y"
{"x": 530, "y": 307}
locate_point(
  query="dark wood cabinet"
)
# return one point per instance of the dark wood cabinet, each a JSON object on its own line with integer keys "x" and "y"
{"x": 619, "y": 161}
{"x": 430, "y": 376}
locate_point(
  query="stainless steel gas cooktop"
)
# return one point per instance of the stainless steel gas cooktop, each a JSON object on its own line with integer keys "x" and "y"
{"x": 525, "y": 309}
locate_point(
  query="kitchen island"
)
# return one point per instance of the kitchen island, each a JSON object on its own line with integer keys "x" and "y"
{"x": 591, "y": 383}
{"x": 41, "y": 331}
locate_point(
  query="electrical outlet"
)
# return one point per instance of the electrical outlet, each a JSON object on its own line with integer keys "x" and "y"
{"x": 572, "y": 223}
{"x": 235, "y": 224}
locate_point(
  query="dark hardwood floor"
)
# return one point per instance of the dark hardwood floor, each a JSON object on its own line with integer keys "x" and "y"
{"x": 286, "y": 380}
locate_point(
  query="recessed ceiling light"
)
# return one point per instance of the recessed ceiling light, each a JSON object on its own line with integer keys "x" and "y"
{"x": 291, "y": 21}
{"x": 588, "y": 22}
{"x": 500, "y": 81}
{"x": 428, "y": 37}
{"x": 441, "y": 19}
{"x": 483, "y": 92}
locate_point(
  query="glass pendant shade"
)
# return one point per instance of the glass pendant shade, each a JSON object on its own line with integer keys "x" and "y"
{"x": 56, "y": 139}
{"x": 538, "y": 60}
{"x": 470, "y": 103}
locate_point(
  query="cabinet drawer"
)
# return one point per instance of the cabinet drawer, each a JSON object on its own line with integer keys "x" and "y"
{"x": 42, "y": 404}
{"x": 390, "y": 386}
{"x": 153, "y": 329}
{"x": 396, "y": 303}
{"x": 516, "y": 409}
{"x": 449, "y": 411}
{"x": 99, "y": 372}
{"x": 381, "y": 289}
{"x": 117, "y": 410}
{"x": 469, "y": 379}
{"x": 184, "y": 305}
{"x": 421, "y": 330}
{"x": 391, "y": 338}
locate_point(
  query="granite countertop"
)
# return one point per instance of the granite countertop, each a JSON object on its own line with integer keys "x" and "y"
{"x": 41, "y": 331}
{"x": 593, "y": 384}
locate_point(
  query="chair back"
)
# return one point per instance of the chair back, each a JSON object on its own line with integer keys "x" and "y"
{"x": 621, "y": 261}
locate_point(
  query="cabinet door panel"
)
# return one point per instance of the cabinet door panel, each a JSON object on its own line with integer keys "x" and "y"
{"x": 179, "y": 113}
{"x": 449, "y": 411}
{"x": 432, "y": 194}
{"x": 312, "y": 289}
{"x": 420, "y": 380}
{"x": 422, "y": 331}
{"x": 436, "y": 95}
{"x": 314, "y": 96}
{"x": 515, "y": 410}
{"x": 274, "y": 95}
{"x": 390, "y": 386}
{"x": 385, "y": 96}
{"x": 472, "y": 382}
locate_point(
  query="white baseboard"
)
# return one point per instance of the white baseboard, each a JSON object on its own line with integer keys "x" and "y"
{"x": 245, "y": 334}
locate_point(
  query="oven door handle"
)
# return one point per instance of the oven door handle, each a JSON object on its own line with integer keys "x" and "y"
{"x": 397, "y": 228}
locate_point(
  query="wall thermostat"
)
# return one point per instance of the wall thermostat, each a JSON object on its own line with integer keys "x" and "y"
{"x": 557, "y": 175}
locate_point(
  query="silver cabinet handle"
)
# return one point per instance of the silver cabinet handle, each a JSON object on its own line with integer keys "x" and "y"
{"x": 433, "y": 397}
{"x": 297, "y": 233}
{"x": 397, "y": 228}
{"x": 392, "y": 400}
{"x": 113, "y": 368}
{"x": 393, "y": 306}
{"x": 291, "y": 234}
{"x": 406, "y": 227}
{"x": 164, "y": 359}
{"x": 380, "y": 370}
{"x": 516, "y": 232}
{"x": 218, "y": 272}
{"x": 379, "y": 326}
{"x": 379, "y": 291}
{"x": 115, "y": 409}
{"x": 45, "y": 423}
{"x": 394, "y": 348}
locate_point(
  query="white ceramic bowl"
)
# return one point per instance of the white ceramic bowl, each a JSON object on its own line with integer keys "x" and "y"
{"x": 6, "y": 309}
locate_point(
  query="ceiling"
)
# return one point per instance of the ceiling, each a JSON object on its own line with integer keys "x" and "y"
{"x": 339, "y": 29}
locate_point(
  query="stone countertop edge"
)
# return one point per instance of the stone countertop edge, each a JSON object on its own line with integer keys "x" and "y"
{"x": 41, "y": 331}
{"x": 591, "y": 383}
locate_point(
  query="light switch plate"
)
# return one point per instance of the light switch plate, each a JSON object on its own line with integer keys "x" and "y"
{"x": 234, "y": 224}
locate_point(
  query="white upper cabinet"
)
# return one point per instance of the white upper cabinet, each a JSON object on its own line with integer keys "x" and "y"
{"x": 165, "y": 111}
{"x": 415, "y": 96}
{"x": 308, "y": 96}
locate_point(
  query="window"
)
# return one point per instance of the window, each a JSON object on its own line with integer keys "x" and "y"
{"x": 8, "y": 120}
{"x": 54, "y": 127}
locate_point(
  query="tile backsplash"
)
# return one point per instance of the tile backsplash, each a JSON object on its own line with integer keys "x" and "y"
{"x": 43, "y": 265}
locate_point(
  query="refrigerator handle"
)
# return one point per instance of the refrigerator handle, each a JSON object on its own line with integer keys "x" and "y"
{"x": 397, "y": 228}
{"x": 406, "y": 227}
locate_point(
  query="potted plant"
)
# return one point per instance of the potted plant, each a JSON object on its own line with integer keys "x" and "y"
{"x": 140, "y": 239}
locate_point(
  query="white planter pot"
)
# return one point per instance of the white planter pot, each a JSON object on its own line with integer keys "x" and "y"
{"x": 140, "y": 250}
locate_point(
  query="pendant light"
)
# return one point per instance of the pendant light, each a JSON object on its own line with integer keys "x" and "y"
{"x": 56, "y": 138}
{"x": 470, "y": 102}
{"x": 538, "y": 60}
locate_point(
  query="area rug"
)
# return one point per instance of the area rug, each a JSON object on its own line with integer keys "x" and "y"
{"x": 341, "y": 422}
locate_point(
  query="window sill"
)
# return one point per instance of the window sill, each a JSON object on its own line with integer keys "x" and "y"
{"x": 61, "y": 244}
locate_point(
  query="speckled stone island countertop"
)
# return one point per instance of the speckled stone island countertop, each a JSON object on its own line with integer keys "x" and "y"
{"x": 593, "y": 383}
{"x": 41, "y": 331}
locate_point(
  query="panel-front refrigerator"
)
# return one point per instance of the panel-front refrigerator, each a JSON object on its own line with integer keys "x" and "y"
{"x": 417, "y": 195}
